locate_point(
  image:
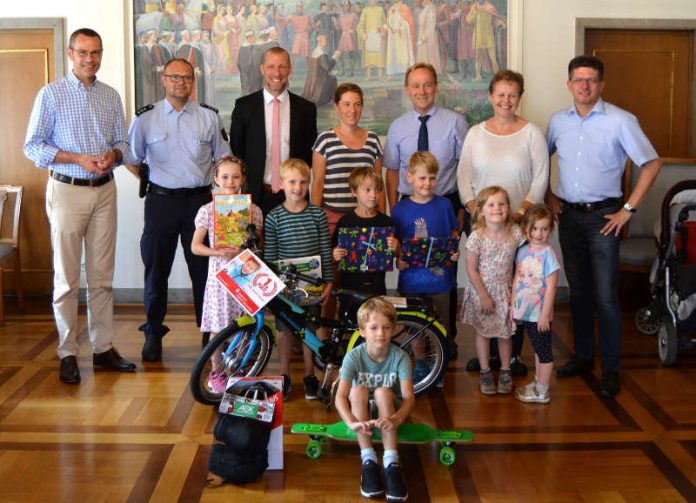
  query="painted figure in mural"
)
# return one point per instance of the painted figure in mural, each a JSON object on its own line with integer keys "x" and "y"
{"x": 358, "y": 8}
{"x": 428, "y": 46}
{"x": 207, "y": 16}
{"x": 252, "y": 21}
{"x": 210, "y": 58}
{"x": 321, "y": 82}
{"x": 251, "y": 130}
{"x": 348, "y": 43}
{"x": 179, "y": 139}
{"x": 165, "y": 47}
{"x": 336, "y": 33}
{"x": 80, "y": 146}
{"x": 281, "y": 23}
{"x": 323, "y": 25}
{"x": 221, "y": 40}
{"x": 484, "y": 16}
{"x": 443, "y": 31}
{"x": 371, "y": 31}
{"x": 189, "y": 51}
{"x": 245, "y": 63}
{"x": 156, "y": 62}
{"x": 417, "y": 8}
{"x": 464, "y": 41}
{"x": 141, "y": 64}
{"x": 302, "y": 26}
{"x": 400, "y": 41}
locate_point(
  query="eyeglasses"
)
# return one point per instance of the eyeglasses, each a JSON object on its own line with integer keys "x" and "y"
{"x": 83, "y": 54}
{"x": 177, "y": 78}
{"x": 577, "y": 80}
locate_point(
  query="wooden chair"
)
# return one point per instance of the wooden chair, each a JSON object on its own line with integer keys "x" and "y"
{"x": 10, "y": 206}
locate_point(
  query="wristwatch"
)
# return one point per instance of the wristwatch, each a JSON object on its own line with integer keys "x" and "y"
{"x": 629, "y": 207}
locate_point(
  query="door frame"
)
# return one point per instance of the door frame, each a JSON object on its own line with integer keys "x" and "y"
{"x": 583, "y": 24}
{"x": 56, "y": 24}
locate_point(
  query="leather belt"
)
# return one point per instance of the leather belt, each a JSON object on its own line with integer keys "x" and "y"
{"x": 590, "y": 207}
{"x": 82, "y": 182}
{"x": 164, "y": 191}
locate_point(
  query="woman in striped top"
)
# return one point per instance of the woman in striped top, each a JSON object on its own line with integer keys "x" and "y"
{"x": 338, "y": 151}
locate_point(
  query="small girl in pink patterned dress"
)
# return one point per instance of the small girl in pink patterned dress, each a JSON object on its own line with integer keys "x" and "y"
{"x": 490, "y": 256}
{"x": 219, "y": 307}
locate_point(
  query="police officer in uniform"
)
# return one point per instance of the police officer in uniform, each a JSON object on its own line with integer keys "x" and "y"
{"x": 179, "y": 140}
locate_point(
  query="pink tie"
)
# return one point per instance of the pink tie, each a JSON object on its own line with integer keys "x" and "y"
{"x": 275, "y": 147}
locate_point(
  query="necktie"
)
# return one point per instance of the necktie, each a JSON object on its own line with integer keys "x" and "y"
{"x": 423, "y": 133}
{"x": 275, "y": 147}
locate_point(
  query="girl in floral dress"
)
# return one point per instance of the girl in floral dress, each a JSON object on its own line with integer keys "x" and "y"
{"x": 219, "y": 307}
{"x": 490, "y": 256}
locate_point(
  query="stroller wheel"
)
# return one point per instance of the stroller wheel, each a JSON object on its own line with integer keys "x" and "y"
{"x": 667, "y": 343}
{"x": 646, "y": 321}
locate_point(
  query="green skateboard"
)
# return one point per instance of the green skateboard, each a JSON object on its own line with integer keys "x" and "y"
{"x": 408, "y": 433}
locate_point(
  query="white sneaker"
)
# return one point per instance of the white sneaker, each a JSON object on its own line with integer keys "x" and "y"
{"x": 530, "y": 394}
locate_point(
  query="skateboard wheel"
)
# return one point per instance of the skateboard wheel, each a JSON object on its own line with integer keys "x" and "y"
{"x": 313, "y": 449}
{"x": 447, "y": 456}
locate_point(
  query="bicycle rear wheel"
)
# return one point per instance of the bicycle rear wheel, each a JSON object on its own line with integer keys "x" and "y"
{"x": 248, "y": 357}
{"x": 425, "y": 345}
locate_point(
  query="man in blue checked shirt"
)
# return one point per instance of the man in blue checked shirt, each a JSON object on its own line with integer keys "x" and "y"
{"x": 77, "y": 131}
{"x": 179, "y": 139}
{"x": 592, "y": 140}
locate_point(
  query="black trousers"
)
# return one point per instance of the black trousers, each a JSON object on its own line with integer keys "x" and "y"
{"x": 170, "y": 219}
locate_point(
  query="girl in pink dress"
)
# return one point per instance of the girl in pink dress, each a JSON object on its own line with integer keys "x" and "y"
{"x": 219, "y": 307}
{"x": 490, "y": 256}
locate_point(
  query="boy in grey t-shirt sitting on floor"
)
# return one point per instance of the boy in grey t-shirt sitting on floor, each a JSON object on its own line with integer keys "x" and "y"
{"x": 376, "y": 391}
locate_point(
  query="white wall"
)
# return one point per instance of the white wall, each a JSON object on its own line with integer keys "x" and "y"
{"x": 548, "y": 43}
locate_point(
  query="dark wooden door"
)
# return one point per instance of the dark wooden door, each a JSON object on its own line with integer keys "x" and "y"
{"x": 27, "y": 59}
{"x": 648, "y": 72}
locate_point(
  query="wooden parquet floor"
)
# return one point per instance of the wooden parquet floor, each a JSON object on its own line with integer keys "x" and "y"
{"x": 142, "y": 437}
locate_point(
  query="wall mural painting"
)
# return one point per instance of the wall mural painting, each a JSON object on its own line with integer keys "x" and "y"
{"x": 370, "y": 43}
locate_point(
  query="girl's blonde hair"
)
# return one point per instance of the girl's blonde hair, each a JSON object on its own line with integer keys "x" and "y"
{"x": 376, "y": 305}
{"x": 481, "y": 199}
{"x": 533, "y": 215}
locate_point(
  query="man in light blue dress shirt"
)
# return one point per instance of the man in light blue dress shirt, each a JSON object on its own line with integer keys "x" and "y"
{"x": 446, "y": 131}
{"x": 593, "y": 140}
{"x": 178, "y": 139}
{"x": 437, "y": 130}
{"x": 77, "y": 131}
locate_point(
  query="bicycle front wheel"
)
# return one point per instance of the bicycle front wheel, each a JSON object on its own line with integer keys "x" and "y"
{"x": 237, "y": 352}
{"x": 425, "y": 345}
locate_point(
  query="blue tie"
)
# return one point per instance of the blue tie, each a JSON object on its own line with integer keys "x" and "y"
{"x": 423, "y": 134}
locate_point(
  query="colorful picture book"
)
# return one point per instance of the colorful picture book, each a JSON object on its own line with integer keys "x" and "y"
{"x": 429, "y": 252}
{"x": 250, "y": 281}
{"x": 367, "y": 249}
{"x": 309, "y": 266}
{"x": 231, "y": 217}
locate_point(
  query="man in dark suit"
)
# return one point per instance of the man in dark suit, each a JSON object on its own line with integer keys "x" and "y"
{"x": 254, "y": 114}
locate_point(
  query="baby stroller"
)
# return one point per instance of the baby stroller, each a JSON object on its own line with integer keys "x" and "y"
{"x": 672, "y": 310}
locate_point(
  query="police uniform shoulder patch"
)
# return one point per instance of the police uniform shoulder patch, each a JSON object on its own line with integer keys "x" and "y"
{"x": 144, "y": 109}
{"x": 205, "y": 105}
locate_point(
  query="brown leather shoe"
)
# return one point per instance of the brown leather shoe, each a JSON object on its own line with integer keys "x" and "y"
{"x": 113, "y": 361}
{"x": 69, "y": 371}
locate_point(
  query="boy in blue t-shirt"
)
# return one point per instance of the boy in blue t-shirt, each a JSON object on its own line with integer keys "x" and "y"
{"x": 376, "y": 391}
{"x": 424, "y": 215}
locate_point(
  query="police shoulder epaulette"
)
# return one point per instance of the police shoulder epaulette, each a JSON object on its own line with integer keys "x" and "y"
{"x": 144, "y": 109}
{"x": 205, "y": 105}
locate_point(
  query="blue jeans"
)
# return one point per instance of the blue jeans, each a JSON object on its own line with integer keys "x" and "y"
{"x": 591, "y": 263}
